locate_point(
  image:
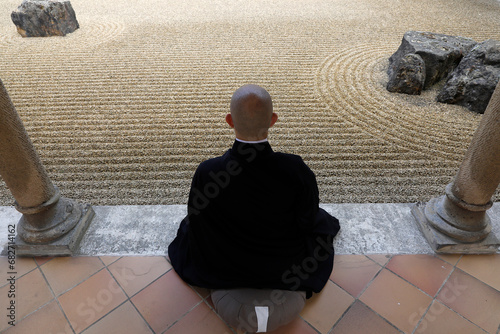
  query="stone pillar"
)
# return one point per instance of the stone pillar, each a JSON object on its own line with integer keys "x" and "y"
{"x": 457, "y": 222}
{"x": 51, "y": 224}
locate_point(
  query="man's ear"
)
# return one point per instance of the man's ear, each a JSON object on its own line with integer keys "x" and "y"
{"x": 274, "y": 118}
{"x": 229, "y": 120}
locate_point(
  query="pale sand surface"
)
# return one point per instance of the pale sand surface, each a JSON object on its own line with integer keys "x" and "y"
{"x": 124, "y": 109}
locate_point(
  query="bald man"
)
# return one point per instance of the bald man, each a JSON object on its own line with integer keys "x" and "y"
{"x": 254, "y": 233}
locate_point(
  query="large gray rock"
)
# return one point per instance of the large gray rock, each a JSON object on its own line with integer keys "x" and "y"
{"x": 440, "y": 53}
{"x": 407, "y": 75}
{"x": 42, "y": 18}
{"x": 472, "y": 83}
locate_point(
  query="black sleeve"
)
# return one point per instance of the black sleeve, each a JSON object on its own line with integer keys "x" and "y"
{"x": 307, "y": 203}
{"x": 197, "y": 201}
{"x": 311, "y": 216}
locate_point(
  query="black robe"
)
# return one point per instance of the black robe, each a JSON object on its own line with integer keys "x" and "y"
{"x": 254, "y": 221}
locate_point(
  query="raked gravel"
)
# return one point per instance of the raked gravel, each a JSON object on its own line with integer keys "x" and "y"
{"x": 124, "y": 109}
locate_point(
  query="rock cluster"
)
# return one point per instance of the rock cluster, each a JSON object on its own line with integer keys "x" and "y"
{"x": 42, "y": 18}
{"x": 471, "y": 69}
{"x": 472, "y": 83}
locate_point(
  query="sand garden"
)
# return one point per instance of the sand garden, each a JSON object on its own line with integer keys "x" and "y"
{"x": 124, "y": 109}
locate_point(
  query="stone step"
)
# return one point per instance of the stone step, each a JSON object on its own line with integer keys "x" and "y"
{"x": 366, "y": 228}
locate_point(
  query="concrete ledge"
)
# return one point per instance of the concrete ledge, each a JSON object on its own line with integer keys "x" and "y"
{"x": 148, "y": 230}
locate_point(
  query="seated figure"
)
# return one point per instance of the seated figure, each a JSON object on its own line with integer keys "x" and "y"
{"x": 254, "y": 233}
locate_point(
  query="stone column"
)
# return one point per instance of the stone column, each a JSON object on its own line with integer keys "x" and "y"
{"x": 51, "y": 224}
{"x": 457, "y": 222}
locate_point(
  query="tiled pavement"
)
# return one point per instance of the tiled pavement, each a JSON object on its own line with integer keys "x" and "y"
{"x": 366, "y": 294}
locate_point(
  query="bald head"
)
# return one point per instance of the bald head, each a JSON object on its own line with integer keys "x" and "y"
{"x": 251, "y": 112}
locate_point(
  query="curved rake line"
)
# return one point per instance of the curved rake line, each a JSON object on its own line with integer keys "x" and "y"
{"x": 407, "y": 132}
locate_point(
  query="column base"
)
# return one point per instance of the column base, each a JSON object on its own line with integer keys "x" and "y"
{"x": 444, "y": 244}
{"x": 63, "y": 246}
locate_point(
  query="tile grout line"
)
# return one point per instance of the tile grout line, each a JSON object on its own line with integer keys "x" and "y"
{"x": 382, "y": 267}
{"x": 442, "y": 284}
{"x": 182, "y": 316}
{"x": 104, "y": 316}
{"x": 217, "y": 314}
{"x": 356, "y": 298}
{"x": 203, "y": 300}
{"x": 86, "y": 279}
{"x": 342, "y": 316}
{"x": 140, "y": 314}
{"x": 26, "y": 273}
{"x": 55, "y": 296}
{"x": 470, "y": 274}
{"x": 77, "y": 284}
{"x": 310, "y": 325}
{"x": 118, "y": 258}
{"x": 434, "y": 298}
{"x": 376, "y": 313}
{"x": 386, "y": 262}
{"x": 422, "y": 317}
{"x": 350, "y": 306}
{"x": 118, "y": 284}
{"x": 464, "y": 318}
{"x": 371, "y": 281}
{"x": 460, "y": 315}
{"x": 129, "y": 298}
{"x": 156, "y": 279}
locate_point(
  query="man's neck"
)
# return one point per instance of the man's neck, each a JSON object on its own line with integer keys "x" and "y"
{"x": 252, "y": 141}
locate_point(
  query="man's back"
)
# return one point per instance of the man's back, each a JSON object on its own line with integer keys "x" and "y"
{"x": 254, "y": 206}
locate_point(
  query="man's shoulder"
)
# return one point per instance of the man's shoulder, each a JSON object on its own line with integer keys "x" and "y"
{"x": 213, "y": 162}
{"x": 292, "y": 163}
{"x": 289, "y": 157}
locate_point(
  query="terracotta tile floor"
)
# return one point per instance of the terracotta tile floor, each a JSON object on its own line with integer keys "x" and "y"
{"x": 366, "y": 294}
